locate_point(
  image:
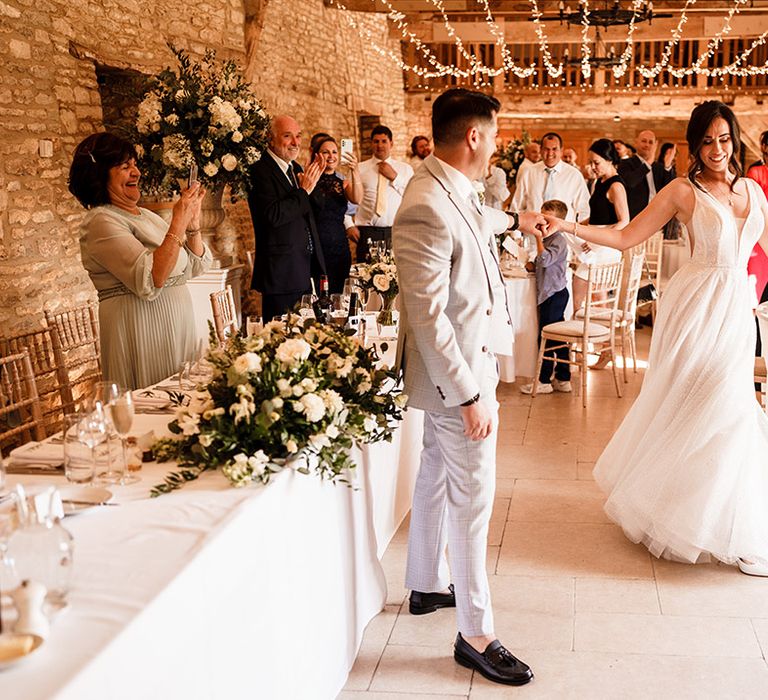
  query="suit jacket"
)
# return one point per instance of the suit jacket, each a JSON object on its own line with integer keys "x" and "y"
{"x": 282, "y": 222}
{"x": 633, "y": 171}
{"x": 446, "y": 265}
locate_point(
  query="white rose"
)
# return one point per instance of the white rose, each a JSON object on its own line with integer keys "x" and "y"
{"x": 292, "y": 447}
{"x": 369, "y": 424}
{"x": 229, "y": 162}
{"x": 247, "y": 362}
{"x": 210, "y": 169}
{"x": 237, "y": 136}
{"x": 381, "y": 282}
{"x": 314, "y": 408}
{"x": 293, "y": 351}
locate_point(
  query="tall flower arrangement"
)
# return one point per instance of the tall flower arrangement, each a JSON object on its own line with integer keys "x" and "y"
{"x": 291, "y": 396}
{"x": 512, "y": 156}
{"x": 203, "y": 113}
{"x": 381, "y": 276}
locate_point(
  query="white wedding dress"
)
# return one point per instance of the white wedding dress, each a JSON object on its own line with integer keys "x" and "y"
{"x": 687, "y": 471}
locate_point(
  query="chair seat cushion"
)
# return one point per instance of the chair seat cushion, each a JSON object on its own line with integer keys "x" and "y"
{"x": 604, "y": 315}
{"x": 575, "y": 329}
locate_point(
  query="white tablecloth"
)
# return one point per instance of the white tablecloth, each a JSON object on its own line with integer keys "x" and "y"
{"x": 212, "y": 592}
{"x": 521, "y": 297}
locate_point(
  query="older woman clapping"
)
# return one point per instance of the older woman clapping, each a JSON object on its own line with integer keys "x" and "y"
{"x": 138, "y": 263}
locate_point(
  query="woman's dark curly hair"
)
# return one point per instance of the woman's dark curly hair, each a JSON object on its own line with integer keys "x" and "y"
{"x": 89, "y": 172}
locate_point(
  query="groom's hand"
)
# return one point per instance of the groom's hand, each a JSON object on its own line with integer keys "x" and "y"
{"x": 530, "y": 221}
{"x": 477, "y": 421}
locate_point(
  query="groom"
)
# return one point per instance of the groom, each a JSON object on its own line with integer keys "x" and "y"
{"x": 455, "y": 318}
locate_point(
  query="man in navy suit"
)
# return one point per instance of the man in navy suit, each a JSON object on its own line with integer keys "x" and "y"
{"x": 288, "y": 253}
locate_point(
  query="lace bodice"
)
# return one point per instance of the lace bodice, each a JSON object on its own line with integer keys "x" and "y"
{"x": 720, "y": 239}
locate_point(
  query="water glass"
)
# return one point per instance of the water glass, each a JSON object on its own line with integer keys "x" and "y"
{"x": 78, "y": 461}
{"x": 253, "y": 325}
{"x": 305, "y": 306}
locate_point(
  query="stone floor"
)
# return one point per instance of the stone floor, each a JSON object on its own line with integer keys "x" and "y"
{"x": 593, "y": 614}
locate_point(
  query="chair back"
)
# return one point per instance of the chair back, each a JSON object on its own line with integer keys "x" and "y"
{"x": 77, "y": 349}
{"x": 653, "y": 248}
{"x": 603, "y": 285}
{"x": 50, "y": 377}
{"x": 21, "y": 418}
{"x": 224, "y": 313}
{"x": 633, "y": 285}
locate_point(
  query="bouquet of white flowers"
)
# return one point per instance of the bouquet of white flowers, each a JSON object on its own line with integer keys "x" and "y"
{"x": 291, "y": 396}
{"x": 381, "y": 276}
{"x": 512, "y": 156}
{"x": 202, "y": 113}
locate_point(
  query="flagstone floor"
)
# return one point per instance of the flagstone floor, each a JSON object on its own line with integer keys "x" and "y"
{"x": 593, "y": 614}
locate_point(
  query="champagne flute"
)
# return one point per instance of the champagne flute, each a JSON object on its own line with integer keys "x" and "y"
{"x": 121, "y": 412}
{"x": 92, "y": 430}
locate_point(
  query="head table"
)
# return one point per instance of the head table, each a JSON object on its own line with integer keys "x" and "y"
{"x": 214, "y": 592}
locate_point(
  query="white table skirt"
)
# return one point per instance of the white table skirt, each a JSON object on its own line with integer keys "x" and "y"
{"x": 213, "y": 592}
{"x": 521, "y": 297}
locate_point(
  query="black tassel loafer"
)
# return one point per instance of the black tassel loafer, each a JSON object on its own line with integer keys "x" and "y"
{"x": 422, "y": 603}
{"x": 496, "y": 663}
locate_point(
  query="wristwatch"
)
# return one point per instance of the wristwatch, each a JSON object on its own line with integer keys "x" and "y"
{"x": 474, "y": 399}
{"x": 515, "y": 221}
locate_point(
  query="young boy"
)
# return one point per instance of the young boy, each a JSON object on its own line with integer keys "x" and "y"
{"x": 552, "y": 298}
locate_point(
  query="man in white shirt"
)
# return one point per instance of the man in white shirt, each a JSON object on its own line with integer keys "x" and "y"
{"x": 384, "y": 180}
{"x": 552, "y": 178}
{"x": 532, "y": 153}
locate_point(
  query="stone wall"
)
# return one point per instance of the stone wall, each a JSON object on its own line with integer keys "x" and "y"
{"x": 308, "y": 62}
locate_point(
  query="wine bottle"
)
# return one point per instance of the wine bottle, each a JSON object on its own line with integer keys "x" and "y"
{"x": 324, "y": 300}
{"x": 353, "y": 318}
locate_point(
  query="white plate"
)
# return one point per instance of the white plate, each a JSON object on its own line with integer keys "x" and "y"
{"x": 36, "y": 644}
{"x": 87, "y": 497}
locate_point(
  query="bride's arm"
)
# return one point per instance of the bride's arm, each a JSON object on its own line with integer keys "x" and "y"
{"x": 674, "y": 200}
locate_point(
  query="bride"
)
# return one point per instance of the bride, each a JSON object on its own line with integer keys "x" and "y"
{"x": 687, "y": 471}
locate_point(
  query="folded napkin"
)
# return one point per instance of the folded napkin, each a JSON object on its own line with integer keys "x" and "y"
{"x": 43, "y": 454}
{"x": 151, "y": 398}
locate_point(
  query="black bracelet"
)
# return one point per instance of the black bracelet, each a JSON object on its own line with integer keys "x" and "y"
{"x": 515, "y": 221}
{"x": 474, "y": 399}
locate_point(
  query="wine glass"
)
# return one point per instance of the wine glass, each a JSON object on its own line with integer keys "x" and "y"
{"x": 253, "y": 324}
{"x": 121, "y": 412}
{"x": 305, "y": 306}
{"x": 93, "y": 430}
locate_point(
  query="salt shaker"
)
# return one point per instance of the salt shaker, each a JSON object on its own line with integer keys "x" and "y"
{"x": 29, "y": 598}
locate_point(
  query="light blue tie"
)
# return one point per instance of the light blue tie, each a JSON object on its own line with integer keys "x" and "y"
{"x": 548, "y": 183}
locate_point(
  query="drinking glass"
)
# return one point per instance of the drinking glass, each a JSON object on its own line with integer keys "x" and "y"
{"x": 78, "y": 464}
{"x": 253, "y": 324}
{"x": 305, "y": 306}
{"x": 121, "y": 412}
{"x": 381, "y": 250}
{"x": 93, "y": 430}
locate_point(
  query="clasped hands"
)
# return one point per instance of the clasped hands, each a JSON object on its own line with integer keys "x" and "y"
{"x": 187, "y": 207}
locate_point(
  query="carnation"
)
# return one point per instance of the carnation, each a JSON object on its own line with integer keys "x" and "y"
{"x": 314, "y": 408}
{"x": 210, "y": 169}
{"x": 247, "y": 362}
{"x": 293, "y": 351}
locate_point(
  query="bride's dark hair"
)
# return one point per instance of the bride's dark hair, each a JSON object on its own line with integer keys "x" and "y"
{"x": 701, "y": 117}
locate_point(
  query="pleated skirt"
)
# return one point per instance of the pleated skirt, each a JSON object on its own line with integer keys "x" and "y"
{"x": 143, "y": 342}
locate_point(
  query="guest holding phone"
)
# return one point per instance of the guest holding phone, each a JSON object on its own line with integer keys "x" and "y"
{"x": 329, "y": 203}
{"x": 138, "y": 263}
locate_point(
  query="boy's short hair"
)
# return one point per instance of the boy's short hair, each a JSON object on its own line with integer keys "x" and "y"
{"x": 556, "y": 207}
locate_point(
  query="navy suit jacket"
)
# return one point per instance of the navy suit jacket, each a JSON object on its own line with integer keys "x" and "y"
{"x": 282, "y": 222}
{"x": 633, "y": 171}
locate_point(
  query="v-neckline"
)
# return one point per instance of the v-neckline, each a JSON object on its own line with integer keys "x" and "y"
{"x": 733, "y": 217}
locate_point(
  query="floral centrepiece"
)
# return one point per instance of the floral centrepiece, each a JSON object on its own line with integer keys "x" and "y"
{"x": 512, "y": 155}
{"x": 202, "y": 113}
{"x": 381, "y": 276}
{"x": 291, "y": 396}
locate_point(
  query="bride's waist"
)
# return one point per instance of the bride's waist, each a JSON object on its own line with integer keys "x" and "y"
{"x": 713, "y": 265}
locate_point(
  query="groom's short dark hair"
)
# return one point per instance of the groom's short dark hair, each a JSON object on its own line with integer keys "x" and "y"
{"x": 456, "y": 110}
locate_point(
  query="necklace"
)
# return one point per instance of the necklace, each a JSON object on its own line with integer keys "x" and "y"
{"x": 729, "y": 195}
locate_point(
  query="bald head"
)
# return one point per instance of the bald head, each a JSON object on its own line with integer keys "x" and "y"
{"x": 532, "y": 152}
{"x": 285, "y": 137}
{"x": 645, "y": 143}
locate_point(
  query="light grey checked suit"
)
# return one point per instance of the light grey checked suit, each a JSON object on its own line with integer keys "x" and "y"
{"x": 453, "y": 315}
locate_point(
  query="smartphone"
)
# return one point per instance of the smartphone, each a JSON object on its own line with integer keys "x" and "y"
{"x": 192, "y": 175}
{"x": 346, "y": 146}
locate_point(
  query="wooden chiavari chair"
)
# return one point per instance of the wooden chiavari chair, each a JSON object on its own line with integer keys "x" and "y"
{"x": 21, "y": 418}
{"x": 77, "y": 349}
{"x": 224, "y": 313}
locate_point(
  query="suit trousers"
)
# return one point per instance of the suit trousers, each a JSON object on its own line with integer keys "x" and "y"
{"x": 452, "y": 504}
{"x": 278, "y": 304}
{"x": 552, "y": 310}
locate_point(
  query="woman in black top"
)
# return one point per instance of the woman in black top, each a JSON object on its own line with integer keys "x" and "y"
{"x": 607, "y": 207}
{"x": 329, "y": 205}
